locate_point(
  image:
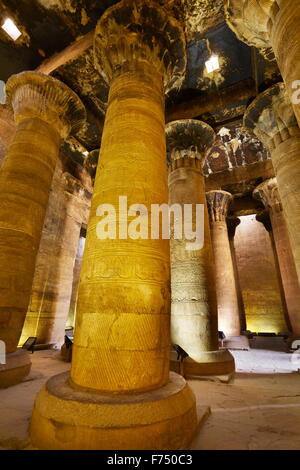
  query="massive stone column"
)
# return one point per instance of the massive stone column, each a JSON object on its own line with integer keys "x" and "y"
{"x": 119, "y": 394}
{"x": 194, "y": 323}
{"x": 228, "y": 308}
{"x": 272, "y": 119}
{"x": 271, "y": 23}
{"x": 45, "y": 111}
{"x": 268, "y": 193}
{"x": 47, "y": 315}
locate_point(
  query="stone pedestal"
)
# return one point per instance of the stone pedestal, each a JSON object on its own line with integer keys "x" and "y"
{"x": 268, "y": 193}
{"x": 271, "y": 118}
{"x": 271, "y": 23}
{"x": 194, "y": 323}
{"x": 119, "y": 384}
{"x": 45, "y": 111}
{"x": 17, "y": 367}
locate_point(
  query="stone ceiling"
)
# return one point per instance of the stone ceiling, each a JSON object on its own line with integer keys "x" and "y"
{"x": 49, "y": 26}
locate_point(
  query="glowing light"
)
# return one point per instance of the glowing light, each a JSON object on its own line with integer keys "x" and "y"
{"x": 85, "y": 153}
{"x": 11, "y": 29}
{"x": 212, "y": 64}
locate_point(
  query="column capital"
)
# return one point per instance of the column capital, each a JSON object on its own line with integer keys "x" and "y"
{"x": 264, "y": 218}
{"x": 267, "y": 192}
{"x": 91, "y": 162}
{"x": 35, "y": 95}
{"x": 140, "y": 31}
{"x": 251, "y": 21}
{"x": 218, "y": 202}
{"x": 188, "y": 142}
{"x": 232, "y": 224}
{"x": 271, "y": 117}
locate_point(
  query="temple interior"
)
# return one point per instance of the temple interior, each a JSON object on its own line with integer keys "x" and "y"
{"x": 149, "y": 225}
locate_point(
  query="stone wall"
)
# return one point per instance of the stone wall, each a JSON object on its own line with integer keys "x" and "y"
{"x": 258, "y": 277}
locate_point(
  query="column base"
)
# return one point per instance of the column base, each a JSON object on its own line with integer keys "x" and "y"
{"x": 17, "y": 367}
{"x": 65, "y": 418}
{"x": 215, "y": 365}
{"x": 236, "y": 342}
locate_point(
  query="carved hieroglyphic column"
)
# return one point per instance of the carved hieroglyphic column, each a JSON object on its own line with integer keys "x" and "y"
{"x": 228, "y": 309}
{"x": 194, "y": 323}
{"x": 272, "y": 119}
{"x": 45, "y": 111}
{"x": 268, "y": 193}
{"x": 119, "y": 384}
{"x": 271, "y": 23}
{"x": 68, "y": 209}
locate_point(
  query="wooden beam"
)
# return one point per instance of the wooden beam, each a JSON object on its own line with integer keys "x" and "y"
{"x": 208, "y": 102}
{"x": 71, "y": 52}
{"x": 239, "y": 174}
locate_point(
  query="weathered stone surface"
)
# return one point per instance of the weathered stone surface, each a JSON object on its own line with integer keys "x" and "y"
{"x": 227, "y": 302}
{"x": 271, "y": 23}
{"x": 272, "y": 119}
{"x": 25, "y": 181}
{"x": 258, "y": 277}
{"x": 67, "y": 210}
{"x": 194, "y": 324}
{"x": 268, "y": 192}
{"x": 121, "y": 342}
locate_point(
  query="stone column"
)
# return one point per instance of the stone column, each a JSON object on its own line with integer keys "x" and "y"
{"x": 52, "y": 286}
{"x": 45, "y": 111}
{"x": 194, "y": 323}
{"x": 75, "y": 285}
{"x": 271, "y": 23}
{"x": 232, "y": 224}
{"x": 119, "y": 394}
{"x": 228, "y": 308}
{"x": 272, "y": 120}
{"x": 268, "y": 193}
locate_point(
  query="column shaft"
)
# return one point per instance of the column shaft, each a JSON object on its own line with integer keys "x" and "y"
{"x": 194, "y": 314}
{"x": 284, "y": 39}
{"x": 25, "y": 181}
{"x": 286, "y": 163}
{"x": 123, "y": 303}
{"x": 228, "y": 308}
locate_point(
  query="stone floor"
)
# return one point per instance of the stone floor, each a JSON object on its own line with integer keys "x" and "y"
{"x": 259, "y": 410}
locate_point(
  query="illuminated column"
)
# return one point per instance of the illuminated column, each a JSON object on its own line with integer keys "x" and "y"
{"x": 228, "y": 309}
{"x": 52, "y": 286}
{"x": 272, "y": 120}
{"x": 194, "y": 323}
{"x": 232, "y": 224}
{"x": 271, "y": 23}
{"x": 268, "y": 193}
{"x": 45, "y": 111}
{"x": 75, "y": 285}
{"x": 119, "y": 394}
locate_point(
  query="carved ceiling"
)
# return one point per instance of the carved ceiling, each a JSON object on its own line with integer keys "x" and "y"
{"x": 49, "y": 26}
